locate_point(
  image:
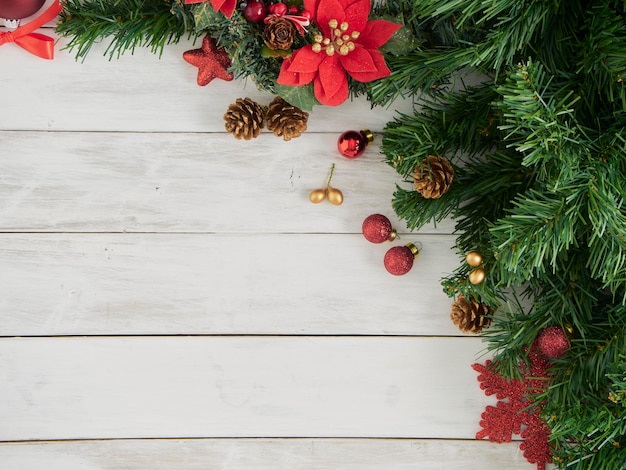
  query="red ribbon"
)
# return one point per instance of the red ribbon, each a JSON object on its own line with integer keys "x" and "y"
{"x": 35, "y": 43}
{"x": 300, "y": 22}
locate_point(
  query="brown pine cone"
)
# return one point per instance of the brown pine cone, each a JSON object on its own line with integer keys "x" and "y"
{"x": 286, "y": 120}
{"x": 279, "y": 33}
{"x": 433, "y": 177}
{"x": 470, "y": 316}
{"x": 244, "y": 119}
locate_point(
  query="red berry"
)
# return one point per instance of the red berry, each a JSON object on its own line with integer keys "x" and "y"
{"x": 280, "y": 9}
{"x": 255, "y": 12}
{"x": 293, "y": 10}
{"x": 307, "y": 14}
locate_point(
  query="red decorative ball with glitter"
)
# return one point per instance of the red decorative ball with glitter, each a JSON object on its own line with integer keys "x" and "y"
{"x": 278, "y": 9}
{"x": 351, "y": 144}
{"x": 16, "y": 10}
{"x": 255, "y": 12}
{"x": 377, "y": 229}
{"x": 399, "y": 259}
{"x": 553, "y": 341}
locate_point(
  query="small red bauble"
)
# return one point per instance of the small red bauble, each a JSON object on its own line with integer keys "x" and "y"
{"x": 16, "y": 10}
{"x": 255, "y": 12}
{"x": 351, "y": 144}
{"x": 399, "y": 259}
{"x": 553, "y": 341}
{"x": 278, "y": 9}
{"x": 377, "y": 229}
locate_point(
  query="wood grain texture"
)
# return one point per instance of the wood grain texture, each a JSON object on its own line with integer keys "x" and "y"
{"x": 262, "y": 454}
{"x": 140, "y": 92}
{"x": 164, "y": 182}
{"x": 170, "y": 299}
{"x": 63, "y": 284}
{"x": 143, "y": 387}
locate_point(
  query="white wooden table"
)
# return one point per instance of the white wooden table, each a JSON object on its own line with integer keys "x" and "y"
{"x": 170, "y": 299}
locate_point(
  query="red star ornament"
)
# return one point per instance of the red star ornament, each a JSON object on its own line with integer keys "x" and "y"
{"x": 211, "y": 61}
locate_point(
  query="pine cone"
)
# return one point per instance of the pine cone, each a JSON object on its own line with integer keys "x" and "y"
{"x": 433, "y": 177}
{"x": 470, "y": 316}
{"x": 279, "y": 33}
{"x": 244, "y": 119}
{"x": 285, "y": 119}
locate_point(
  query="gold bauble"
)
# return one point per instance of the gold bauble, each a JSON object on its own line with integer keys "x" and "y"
{"x": 317, "y": 196}
{"x": 335, "y": 196}
{"x": 477, "y": 276}
{"x": 474, "y": 258}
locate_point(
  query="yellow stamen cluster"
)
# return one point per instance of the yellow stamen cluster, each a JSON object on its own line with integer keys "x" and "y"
{"x": 340, "y": 41}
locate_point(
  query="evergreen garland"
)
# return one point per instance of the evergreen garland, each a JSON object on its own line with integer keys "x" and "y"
{"x": 127, "y": 24}
{"x": 539, "y": 151}
{"x": 243, "y": 41}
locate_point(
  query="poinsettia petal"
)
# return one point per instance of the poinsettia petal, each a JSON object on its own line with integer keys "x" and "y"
{"x": 217, "y": 4}
{"x": 304, "y": 60}
{"x": 381, "y": 68}
{"x": 311, "y": 6}
{"x": 306, "y": 78}
{"x": 228, "y": 8}
{"x": 332, "y": 75}
{"x": 324, "y": 98}
{"x": 329, "y": 10}
{"x": 225, "y": 6}
{"x": 358, "y": 61}
{"x": 357, "y": 13}
{"x": 285, "y": 77}
{"x": 376, "y": 33}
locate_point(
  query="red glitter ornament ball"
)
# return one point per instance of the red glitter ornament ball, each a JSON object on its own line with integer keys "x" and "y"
{"x": 351, "y": 144}
{"x": 377, "y": 229}
{"x": 255, "y": 12}
{"x": 553, "y": 341}
{"x": 16, "y": 10}
{"x": 399, "y": 259}
{"x": 278, "y": 9}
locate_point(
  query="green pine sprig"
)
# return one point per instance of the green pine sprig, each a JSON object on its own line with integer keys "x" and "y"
{"x": 539, "y": 191}
{"x": 125, "y": 24}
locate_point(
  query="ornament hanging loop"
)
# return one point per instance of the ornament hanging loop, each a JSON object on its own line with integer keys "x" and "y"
{"x": 11, "y": 24}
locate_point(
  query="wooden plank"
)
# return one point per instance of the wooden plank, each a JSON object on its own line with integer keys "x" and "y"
{"x": 73, "y": 284}
{"x": 262, "y": 454}
{"x": 140, "y": 92}
{"x": 172, "y": 387}
{"x": 142, "y": 182}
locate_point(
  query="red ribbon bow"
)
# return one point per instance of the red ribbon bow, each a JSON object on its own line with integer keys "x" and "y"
{"x": 299, "y": 21}
{"x": 35, "y": 43}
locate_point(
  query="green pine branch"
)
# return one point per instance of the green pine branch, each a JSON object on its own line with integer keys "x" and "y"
{"x": 126, "y": 24}
{"x": 584, "y": 405}
{"x": 588, "y": 438}
{"x": 540, "y": 188}
{"x": 567, "y": 296}
{"x": 537, "y": 230}
{"x": 409, "y": 206}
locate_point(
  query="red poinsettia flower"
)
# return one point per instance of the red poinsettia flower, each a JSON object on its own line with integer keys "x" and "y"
{"x": 348, "y": 43}
{"x": 225, "y": 6}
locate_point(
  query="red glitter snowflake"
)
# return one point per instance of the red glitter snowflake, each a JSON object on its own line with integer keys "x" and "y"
{"x": 512, "y": 414}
